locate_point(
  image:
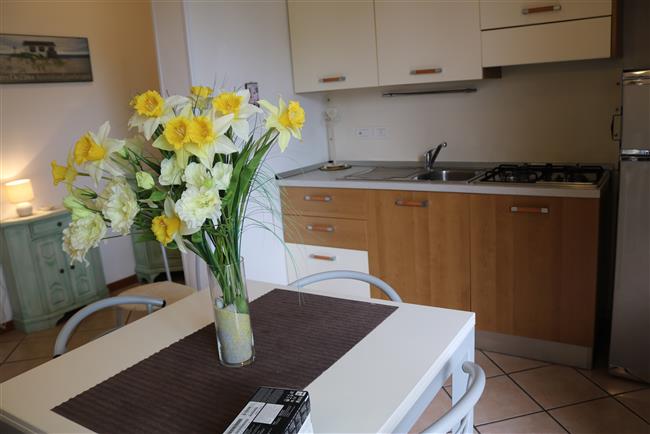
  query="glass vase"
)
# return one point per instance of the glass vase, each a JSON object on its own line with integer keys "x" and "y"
{"x": 231, "y": 315}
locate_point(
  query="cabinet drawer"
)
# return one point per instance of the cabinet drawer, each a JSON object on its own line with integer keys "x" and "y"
{"x": 325, "y": 231}
{"x": 305, "y": 260}
{"x": 554, "y": 42}
{"x": 325, "y": 202}
{"x": 50, "y": 226}
{"x": 507, "y": 13}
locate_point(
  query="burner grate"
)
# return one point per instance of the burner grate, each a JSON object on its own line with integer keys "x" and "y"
{"x": 544, "y": 173}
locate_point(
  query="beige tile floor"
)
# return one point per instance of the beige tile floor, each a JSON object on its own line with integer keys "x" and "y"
{"x": 529, "y": 396}
{"x": 521, "y": 395}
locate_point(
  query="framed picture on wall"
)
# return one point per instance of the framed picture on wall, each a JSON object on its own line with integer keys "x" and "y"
{"x": 43, "y": 59}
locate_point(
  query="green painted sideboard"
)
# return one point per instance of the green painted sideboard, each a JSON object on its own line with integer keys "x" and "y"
{"x": 149, "y": 260}
{"x": 42, "y": 283}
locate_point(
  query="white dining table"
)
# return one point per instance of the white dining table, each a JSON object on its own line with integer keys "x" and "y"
{"x": 383, "y": 384}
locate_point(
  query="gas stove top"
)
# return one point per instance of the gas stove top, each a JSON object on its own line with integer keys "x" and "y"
{"x": 551, "y": 174}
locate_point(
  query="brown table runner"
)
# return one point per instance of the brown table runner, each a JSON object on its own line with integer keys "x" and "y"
{"x": 184, "y": 389}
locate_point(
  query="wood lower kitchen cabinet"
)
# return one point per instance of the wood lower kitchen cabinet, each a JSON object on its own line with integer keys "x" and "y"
{"x": 534, "y": 266}
{"x": 419, "y": 243}
{"x": 527, "y": 265}
{"x": 325, "y": 230}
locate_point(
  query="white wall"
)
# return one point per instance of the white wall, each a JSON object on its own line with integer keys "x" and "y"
{"x": 171, "y": 46}
{"x": 231, "y": 43}
{"x": 551, "y": 112}
{"x": 40, "y": 122}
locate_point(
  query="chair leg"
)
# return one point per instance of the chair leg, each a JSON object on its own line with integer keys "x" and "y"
{"x": 149, "y": 309}
{"x": 120, "y": 318}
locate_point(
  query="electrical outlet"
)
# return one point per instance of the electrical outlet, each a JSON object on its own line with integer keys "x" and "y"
{"x": 363, "y": 133}
{"x": 379, "y": 132}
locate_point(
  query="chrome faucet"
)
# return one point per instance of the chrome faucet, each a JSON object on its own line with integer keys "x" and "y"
{"x": 431, "y": 155}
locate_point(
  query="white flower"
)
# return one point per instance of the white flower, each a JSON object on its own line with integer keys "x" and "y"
{"x": 77, "y": 207}
{"x": 119, "y": 205}
{"x": 221, "y": 174}
{"x": 196, "y": 175}
{"x": 94, "y": 152}
{"x": 145, "y": 180}
{"x": 170, "y": 172}
{"x": 198, "y": 204}
{"x": 235, "y": 103}
{"x": 82, "y": 234}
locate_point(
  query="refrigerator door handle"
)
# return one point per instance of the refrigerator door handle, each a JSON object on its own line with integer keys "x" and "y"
{"x": 615, "y": 125}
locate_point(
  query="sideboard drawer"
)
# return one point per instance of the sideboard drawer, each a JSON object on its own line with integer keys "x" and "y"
{"x": 49, "y": 226}
{"x": 304, "y": 260}
{"x": 325, "y": 202}
{"x": 325, "y": 231}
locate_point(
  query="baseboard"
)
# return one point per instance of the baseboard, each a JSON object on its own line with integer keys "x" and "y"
{"x": 547, "y": 351}
{"x": 122, "y": 283}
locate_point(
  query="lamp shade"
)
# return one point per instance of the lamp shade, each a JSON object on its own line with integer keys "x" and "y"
{"x": 19, "y": 191}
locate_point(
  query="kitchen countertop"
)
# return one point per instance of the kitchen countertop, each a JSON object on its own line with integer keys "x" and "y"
{"x": 311, "y": 176}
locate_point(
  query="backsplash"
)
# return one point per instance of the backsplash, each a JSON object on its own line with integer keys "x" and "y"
{"x": 552, "y": 112}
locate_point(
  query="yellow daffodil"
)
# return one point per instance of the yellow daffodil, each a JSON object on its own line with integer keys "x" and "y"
{"x": 65, "y": 174}
{"x": 151, "y": 110}
{"x": 169, "y": 227}
{"x": 199, "y": 136}
{"x": 164, "y": 228}
{"x": 288, "y": 120}
{"x": 235, "y": 104}
{"x": 201, "y": 91}
{"x": 94, "y": 152}
{"x": 200, "y": 96}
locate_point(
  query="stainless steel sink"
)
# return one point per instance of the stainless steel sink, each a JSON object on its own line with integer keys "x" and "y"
{"x": 447, "y": 175}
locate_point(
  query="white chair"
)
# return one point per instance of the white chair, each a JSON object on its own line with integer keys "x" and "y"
{"x": 455, "y": 420}
{"x": 169, "y": 291}
{"x": 60, "y": 346}
{"x": 354, "y": 275}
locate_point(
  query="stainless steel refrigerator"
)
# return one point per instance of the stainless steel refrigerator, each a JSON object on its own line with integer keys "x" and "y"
{"x": 630, "y": 339}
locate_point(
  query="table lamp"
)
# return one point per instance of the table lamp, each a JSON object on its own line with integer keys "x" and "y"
{"x": 20, "y": 192}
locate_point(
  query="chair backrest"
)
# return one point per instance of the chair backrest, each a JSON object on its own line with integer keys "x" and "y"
{"x": 354, "y": 275}
{"x": 456, "y": 418}
{"x": 61, "y": 343}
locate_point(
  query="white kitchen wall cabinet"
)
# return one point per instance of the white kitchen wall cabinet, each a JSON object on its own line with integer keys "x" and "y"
{"x": 425, "y": 42}
{"x": 304, "y": 260}
{"x": 332, "y": 44}
{"x": 496, "y": 14}
{"x": 516, "y": 33}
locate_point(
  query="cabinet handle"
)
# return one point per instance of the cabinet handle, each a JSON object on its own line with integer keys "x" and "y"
{"x": 61, "y": 270}
{"x": 59, "y": 224}
{"x": 332, "y": 79}
{"x": 412, "y": 203}
{"x": 529, "y": 210}
{"x": 320, "y": 228}
{"x": 538, "y": 9}
{"x": 72, "y": 267}
{"x": 425, "y": 71}
{"x": 322, "y": 257}
{"x": 310, "y": 198}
